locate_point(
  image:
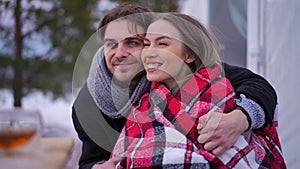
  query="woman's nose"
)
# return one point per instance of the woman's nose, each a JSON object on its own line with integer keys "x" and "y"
{"x": 150, "y": 52}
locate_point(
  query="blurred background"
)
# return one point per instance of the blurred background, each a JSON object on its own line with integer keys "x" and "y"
{"x": 40, "y": 41}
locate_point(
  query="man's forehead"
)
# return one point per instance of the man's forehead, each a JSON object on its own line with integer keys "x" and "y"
{"x": 122, "y": 29}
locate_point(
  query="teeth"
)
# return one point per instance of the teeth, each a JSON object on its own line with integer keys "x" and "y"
{"x": 151, "y": 66}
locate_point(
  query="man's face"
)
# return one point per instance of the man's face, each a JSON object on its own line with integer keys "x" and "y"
{"x": 122, "y": 49}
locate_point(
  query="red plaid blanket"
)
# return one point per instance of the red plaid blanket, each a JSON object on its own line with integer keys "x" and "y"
{"x": 160, "y": 131}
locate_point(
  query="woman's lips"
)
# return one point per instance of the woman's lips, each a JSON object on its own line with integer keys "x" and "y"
{"x": 153, "y": 66}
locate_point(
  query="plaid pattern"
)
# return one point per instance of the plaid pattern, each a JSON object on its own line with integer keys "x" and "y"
{"x": 160, "y": 131}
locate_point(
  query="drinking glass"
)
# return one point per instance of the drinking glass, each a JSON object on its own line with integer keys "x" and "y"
{"x": 18, "y": 127}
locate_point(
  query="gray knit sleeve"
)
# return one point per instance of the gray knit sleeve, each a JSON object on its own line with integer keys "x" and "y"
{"x": 255, "y": 113}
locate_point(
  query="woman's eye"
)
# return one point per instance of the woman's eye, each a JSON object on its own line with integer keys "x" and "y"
{"x": 162, "y": 44}
{"x": 146, "y": 44}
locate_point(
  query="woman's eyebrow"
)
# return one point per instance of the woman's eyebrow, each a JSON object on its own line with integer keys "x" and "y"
{"x": 163, "y": 37}
{"x": 159, "y": 38}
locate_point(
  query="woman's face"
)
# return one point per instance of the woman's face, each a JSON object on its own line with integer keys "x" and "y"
{"x": 164, "y": 56}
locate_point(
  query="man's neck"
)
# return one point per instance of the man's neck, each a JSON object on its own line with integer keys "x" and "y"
{"x": 132, "y": 83}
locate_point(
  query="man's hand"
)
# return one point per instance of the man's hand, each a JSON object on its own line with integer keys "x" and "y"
{"x": 110, "y": 164}
{"x": 219, "y": 131}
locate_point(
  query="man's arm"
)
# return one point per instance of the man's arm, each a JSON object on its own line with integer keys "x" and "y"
{"x": 91, "y": 152}
{"x": 255, "y": 110}
{"x": 97, "y": 132}
{"x": 254, "y": 87}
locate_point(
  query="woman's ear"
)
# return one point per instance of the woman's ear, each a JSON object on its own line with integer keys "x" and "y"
{"x": 189, "y": 58}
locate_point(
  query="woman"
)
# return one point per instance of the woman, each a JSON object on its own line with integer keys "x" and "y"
{"x": 181, "y": 60}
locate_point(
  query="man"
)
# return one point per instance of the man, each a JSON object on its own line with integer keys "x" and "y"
{"x": 119, "y": 81}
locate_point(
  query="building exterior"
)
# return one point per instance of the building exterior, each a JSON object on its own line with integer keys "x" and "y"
{"x": 264, "y": 36}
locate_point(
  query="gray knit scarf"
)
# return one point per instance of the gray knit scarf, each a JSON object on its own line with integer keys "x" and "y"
{"x": 113, "y": 99}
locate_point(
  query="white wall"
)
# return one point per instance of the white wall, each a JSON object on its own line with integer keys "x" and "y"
{"x": 282, "y": 32}
{"x": 198, "y": 9}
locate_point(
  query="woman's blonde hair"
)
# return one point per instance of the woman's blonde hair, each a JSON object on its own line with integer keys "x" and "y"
{"x": 198, "y": 41}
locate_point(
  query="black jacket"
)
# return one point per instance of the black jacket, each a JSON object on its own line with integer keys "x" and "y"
{"x": 99, "y": 133}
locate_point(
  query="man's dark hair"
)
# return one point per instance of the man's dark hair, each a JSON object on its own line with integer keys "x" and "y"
{"x": 133, "y": 12}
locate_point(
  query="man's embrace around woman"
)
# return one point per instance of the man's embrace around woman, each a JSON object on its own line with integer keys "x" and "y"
{"x": 161, "y": 129}
{"x": 100, "y": 109}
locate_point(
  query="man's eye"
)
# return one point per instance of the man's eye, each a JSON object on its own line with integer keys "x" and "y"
{"x": 110, "y": 44}
{"x": 146, "y": 44}
{"x": 134, "y": 43}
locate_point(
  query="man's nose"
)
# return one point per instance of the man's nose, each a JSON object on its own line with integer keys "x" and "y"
{"x": 121, "y": 51}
